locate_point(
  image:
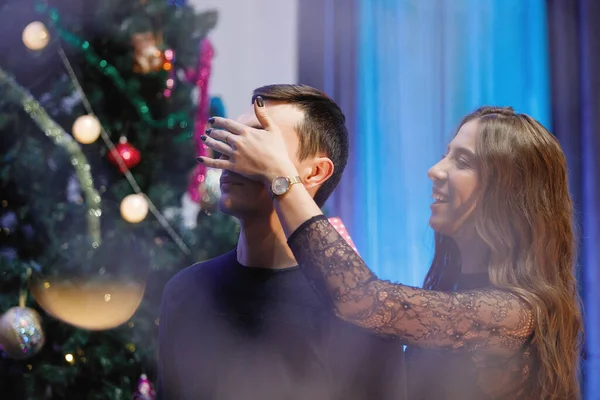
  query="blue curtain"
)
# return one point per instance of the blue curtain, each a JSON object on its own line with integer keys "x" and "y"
{"x": 422, "y": 65}
{"x": 574, "y": 28}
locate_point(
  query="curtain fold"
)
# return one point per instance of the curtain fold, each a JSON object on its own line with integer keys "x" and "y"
{"x": 574, "y": 32}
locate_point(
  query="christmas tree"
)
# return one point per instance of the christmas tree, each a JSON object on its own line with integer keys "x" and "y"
{"x": 101, "y": 200}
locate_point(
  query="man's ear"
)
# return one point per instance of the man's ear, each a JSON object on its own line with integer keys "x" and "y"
{"x": 322, "y": 169}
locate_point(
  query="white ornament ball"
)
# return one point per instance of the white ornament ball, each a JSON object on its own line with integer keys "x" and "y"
{"x": 134, "y": 208}
{"x": 210, "y": 189}
{"x": 86, "y": 129}
{"x": 21, "y": 334}
{"x": 36, "y": 36}
{"x": 189, "y": 211}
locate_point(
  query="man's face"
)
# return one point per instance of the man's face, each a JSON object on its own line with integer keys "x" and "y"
{"x": 243, "y": 197}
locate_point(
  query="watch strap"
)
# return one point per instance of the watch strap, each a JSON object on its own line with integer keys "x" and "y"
{"x": 293, "y": 180}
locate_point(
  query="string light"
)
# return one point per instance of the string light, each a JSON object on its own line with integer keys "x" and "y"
{"x": 170, "y": 82}
{"x": 61, "y": 138}
{"x": 134, "y": 208}
{"x": 69, "y": 358}
{"x": 35, "y": 36}
{"x": 86, "y": 129}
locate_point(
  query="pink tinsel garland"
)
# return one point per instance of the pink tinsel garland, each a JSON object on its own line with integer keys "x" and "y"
{"x": 200, "y": 76}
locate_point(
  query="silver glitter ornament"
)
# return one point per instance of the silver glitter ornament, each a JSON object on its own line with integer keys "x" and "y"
{"x": 21, "y": 334}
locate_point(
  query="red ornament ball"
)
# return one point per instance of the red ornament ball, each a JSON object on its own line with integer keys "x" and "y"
{"x": 126, "y": 152}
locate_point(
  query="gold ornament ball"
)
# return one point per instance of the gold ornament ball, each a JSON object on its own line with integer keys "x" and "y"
{"x": 86, "y": 129}
{"x": 148, "y": 57}
{"x": 91, "y": 304}
{"x": 21, "y": 334}
{"x": 134, "y": 208}
{"x": 36, "y": 36}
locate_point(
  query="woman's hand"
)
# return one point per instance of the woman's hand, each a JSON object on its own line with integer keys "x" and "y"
{"x": 258, "y": 154}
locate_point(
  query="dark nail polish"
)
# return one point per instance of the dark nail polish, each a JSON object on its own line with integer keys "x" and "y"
{"x": 200, "y": 160}
{"x": 203, "y": 138}
{"x": 211, "y": 120}
{"x": 208, "y": 131}
{"x": 260, "y": 102}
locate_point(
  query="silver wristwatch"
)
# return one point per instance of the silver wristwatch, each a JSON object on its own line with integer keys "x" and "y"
{"x": 282, "y": 184}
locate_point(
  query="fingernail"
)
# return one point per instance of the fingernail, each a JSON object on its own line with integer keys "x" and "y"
{"x": 203, "y": 138}
{"x": 200, "y": 160}
{"x": 208, "y": 131}
{"x": 211, "y": 120}
{"x": 259, "y": 101}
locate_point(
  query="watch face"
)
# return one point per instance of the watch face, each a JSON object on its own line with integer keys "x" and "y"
{"x": 280, "y": 185}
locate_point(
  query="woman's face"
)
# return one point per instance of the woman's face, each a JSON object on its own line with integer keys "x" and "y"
{"x": 454, "y": 184}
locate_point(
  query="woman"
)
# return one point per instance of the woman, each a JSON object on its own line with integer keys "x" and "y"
{"x": 499, "y": 316}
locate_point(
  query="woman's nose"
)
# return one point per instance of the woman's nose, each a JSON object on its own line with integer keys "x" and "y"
{"x": 437, "y": 172}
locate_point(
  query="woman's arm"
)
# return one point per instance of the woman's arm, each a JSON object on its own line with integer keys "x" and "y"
{"x": 491, "y": 318}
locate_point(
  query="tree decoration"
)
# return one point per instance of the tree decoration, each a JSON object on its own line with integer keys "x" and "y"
{"x": 169, "y": 66}
{"x": 127, "y": 153}
{"x": 86, "y": 129}
{"x": 210, "y": 189}
{"x": 148, "y": 57}
{"x": 134, "y": 208}
{"x": 144, "y": 391}
{"x": 110, "y": 71}
{"x": 200, "y": 76}
{"x": 93, "y": 303}
{"x": 21, "y": 334}
{"x": 35, "y": 36}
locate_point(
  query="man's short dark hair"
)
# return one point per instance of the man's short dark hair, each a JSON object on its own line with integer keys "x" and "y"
{"x": 323, "y": 129}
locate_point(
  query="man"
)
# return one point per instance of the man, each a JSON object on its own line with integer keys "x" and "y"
{"x": 247, "y": 325}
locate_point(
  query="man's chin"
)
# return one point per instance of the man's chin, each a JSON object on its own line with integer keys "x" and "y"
{"x": 229, "y": 205}
{"x": 225, "y": 205}
{"x": 239, "y": 207}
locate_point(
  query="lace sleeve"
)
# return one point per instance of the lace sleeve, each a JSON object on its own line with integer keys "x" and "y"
{"x": 491, "y": 318}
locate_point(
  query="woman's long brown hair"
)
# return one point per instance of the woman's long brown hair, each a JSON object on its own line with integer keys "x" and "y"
{"x": 525, "y": 216}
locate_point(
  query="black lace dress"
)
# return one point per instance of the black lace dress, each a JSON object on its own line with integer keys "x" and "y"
{"x": 472, "y": 344}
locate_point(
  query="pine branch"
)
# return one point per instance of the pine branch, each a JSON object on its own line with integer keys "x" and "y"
{"x": 12, "y": 90}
